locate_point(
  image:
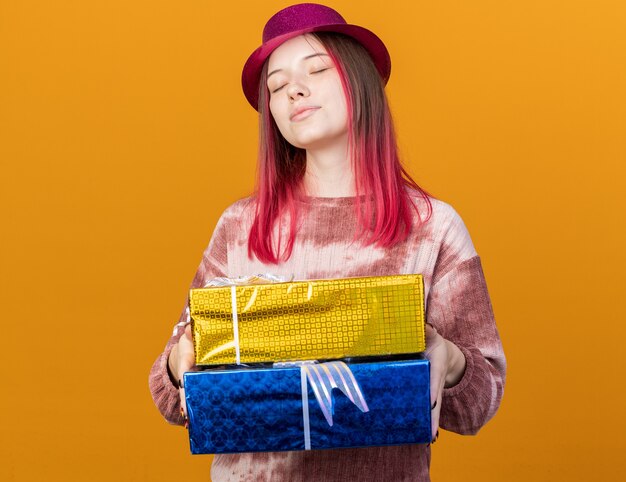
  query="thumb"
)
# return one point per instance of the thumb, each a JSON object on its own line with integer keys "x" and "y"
{"x": 186, "y": 350}
{"x": 188, "y": 331}
{"x": 186, "y": 361}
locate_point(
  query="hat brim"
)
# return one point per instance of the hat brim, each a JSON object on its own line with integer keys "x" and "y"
{"x": 251, "y": 74}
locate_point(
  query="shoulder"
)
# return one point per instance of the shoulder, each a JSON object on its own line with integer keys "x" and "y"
{"x": 233, "y": 224}
{"x": 445, "y": 229}
{"x": 455, "y": 240}
{"x": 436, "y": 214}
{"x": 447, "y": 218}
{"x": 240, "y": 207}
{"x": 238, "y": 214}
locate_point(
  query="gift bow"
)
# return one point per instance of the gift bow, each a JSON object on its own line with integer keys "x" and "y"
{"x": 323, "y": 377}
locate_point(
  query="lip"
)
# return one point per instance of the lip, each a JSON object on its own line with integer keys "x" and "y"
{"x": 302, "y": 113}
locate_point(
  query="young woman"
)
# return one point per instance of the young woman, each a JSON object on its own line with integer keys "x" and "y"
{"x": 332, "y": 200}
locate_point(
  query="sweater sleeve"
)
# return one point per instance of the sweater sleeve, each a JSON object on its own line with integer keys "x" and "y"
{"x": 214, "y": 264}
{"x": 460, "y": 309}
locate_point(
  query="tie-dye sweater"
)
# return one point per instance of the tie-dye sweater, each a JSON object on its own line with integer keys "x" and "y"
{"x": 457, "y": 304}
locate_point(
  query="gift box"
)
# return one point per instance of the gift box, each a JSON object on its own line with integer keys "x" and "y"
{"x": 308, "y": 320}
{"x": 277, "y": 409}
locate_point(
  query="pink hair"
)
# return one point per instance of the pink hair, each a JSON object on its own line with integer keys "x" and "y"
{"x": 383, "y": 206}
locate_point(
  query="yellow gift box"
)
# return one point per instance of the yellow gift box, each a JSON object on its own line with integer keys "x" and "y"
{"x": 308, "y": 320}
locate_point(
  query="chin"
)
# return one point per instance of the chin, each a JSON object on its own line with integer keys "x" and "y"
{"x": 305, "y": 142}
{"x": 309, "y": 143}
{"x": 313, "y": 140}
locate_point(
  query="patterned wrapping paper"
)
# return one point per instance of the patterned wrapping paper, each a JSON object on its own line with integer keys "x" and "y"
{"x": 259, "y": 410}
{"x": 308, "y": 320}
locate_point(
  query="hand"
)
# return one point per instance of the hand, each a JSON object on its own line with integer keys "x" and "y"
{"x": 181, "y": 360}
{"x": 447, "y": 365}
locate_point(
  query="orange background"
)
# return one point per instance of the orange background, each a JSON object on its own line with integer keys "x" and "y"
{"x": 124, "y": 133}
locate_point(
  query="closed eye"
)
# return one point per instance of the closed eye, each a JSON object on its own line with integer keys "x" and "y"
{"x": 314, "y": 72}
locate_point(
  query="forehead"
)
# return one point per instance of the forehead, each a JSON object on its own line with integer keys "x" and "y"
{"x": 294, "y": 50}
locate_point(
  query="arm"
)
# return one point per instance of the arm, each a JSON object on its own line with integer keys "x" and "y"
{"x": 164, "y": 392}
{"x": 460, "y": 309}
{"x": 163, "y": 383}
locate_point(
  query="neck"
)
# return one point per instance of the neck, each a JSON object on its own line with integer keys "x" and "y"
{"x": 329, "y": 172}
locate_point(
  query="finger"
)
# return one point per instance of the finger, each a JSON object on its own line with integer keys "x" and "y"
{"x": 183, "y": 402}
{"x": 436, "y": 395}
{"x": 185, "y": 353}
{"x": 186, "y": 350}
{"x": 186, "y": 360}
{"x": 187, "y": 332}
{"x": 428, "y": 333}
{"x": 438, "y": 359}
{"x": 435, "y": 412}
{"x": 436, "y": 353}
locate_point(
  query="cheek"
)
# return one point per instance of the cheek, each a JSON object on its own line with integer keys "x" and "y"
{"x": 280, "y": 118}
{"x": 340, "y": 112}
{"x": 340, "y": 107}
{"x": 273, "y": 109}
{"x": 277, "y": 111}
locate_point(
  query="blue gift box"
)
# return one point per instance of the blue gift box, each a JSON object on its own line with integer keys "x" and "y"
{"x": 275, "y": 409}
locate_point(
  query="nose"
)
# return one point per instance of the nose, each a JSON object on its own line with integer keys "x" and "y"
{"x": 297, "y": 90}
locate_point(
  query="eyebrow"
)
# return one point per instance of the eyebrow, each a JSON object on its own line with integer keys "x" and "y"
{"x": 319, "y": 54}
